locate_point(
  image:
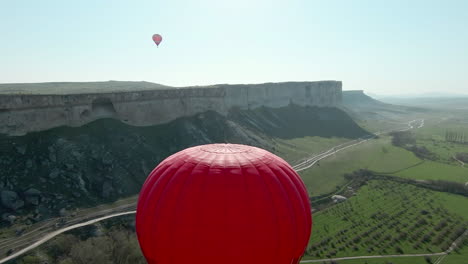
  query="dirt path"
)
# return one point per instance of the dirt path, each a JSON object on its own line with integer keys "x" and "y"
{"x": 461, "y": 162}
{"x": 60, "y": 231}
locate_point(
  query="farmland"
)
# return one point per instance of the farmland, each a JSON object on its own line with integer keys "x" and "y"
{"x": 385, "y": 218}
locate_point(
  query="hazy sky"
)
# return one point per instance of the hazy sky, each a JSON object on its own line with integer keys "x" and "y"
{"x": 389, "y": 47}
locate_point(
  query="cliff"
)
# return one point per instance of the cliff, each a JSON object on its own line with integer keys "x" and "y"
{"x": 35, "y": 107}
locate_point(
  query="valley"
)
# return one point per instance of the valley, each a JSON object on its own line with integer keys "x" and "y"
{"x": 392, "y": 219}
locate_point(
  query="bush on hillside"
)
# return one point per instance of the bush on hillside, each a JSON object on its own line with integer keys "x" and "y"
{"x": 403, "y": 138}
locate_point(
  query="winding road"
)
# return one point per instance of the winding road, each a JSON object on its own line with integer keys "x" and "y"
{"x": 60, "y": 231}
{"x": 311, "y": 161}
{"x": 47, "y": 230}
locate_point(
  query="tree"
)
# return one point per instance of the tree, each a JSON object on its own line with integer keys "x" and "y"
{"x": 30, "y": 260}
{"x": 62, "y": 245}
{"x": 94, "y": 250}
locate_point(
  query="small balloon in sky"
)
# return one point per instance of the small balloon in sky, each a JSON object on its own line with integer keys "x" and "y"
{"x": 157, "y": 39}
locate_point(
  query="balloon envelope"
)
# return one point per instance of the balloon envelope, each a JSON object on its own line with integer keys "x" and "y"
{"x": 157, "y": 39}
{"x": 223, "y": 203}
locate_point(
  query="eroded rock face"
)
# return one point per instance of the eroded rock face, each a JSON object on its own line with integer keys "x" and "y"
{"x": 107, "y": 189}
{"x": 8, "y": 218}
{"x": 11, "y": 200}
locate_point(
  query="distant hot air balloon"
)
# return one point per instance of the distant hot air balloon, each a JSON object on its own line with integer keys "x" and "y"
{"x": 223, "y": 203}
{"x": 157, "y": 39}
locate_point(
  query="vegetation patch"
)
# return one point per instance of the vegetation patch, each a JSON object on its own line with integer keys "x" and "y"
{"x": 407, "y": 140}
{"x": 431, "y": 170}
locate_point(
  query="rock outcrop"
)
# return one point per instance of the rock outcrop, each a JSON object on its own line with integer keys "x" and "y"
{"x": 11, "y": 200}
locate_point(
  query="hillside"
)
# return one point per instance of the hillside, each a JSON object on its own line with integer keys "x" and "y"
{"x": 443, "y": 102}
{"x": 358, "y": 97}
{"x": 61, "y": 168}
{"x": 362, "y": 106}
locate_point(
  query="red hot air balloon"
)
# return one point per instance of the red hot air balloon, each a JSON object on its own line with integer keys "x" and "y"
{"x": 157, "y": 39}
{"x": 223, "y": 203}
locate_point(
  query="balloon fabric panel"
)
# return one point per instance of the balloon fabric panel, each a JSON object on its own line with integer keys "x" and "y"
{"x": 223, "y": 202}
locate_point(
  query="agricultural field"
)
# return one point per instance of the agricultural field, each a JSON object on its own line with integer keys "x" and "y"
{"x": 399, "y": 260}
{"x": 386, "y": 217}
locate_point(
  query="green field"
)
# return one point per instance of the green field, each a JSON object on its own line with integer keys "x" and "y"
{"x": 378, "y": 155}
{"x": 435, "y": 128}
{"x": 430, "y": 170}
{"x": 385, "y": 218}
{"x": 296, "y": 149}
{"x": 432, "y": 136}
{"x": 458, "y": 257}
{"x": 444, "y": 150}
{"x": 382, "y": 125}
{"x": 378, "y": 205}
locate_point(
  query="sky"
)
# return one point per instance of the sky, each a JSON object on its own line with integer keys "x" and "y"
{"x": 382, "y": 47}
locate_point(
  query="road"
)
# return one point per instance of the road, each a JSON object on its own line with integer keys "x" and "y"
{"x": 47, "y": 230}
{"x": 41, "y": 230}
{"x": 60, "y": 231}
{"x": 311, "y": 161}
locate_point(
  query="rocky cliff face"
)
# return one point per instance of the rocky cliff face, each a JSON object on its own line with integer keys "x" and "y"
{"x": 25, "y": 110}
